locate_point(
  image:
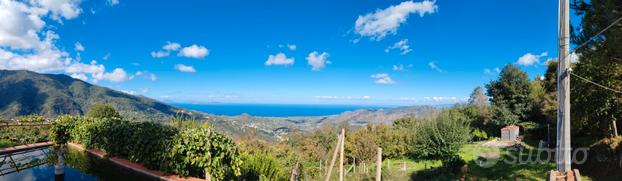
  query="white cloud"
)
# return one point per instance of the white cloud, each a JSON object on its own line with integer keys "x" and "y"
{"x": 379, "y": 24}
{"x": 117, "y": 75}
{"x": 530, "y": 59}
{"x": 26, "y": 44}
{"x": 106, "y": 57}
{"x": 433, "y": 66}
{"x": 146, "y": 75}
{"x": 574, "y": 57}
{"x": 79, "y": 76}
{"x": 171, "y": 46}
{"x": 398, "y": 67}
{"x": 185, "y": 68}
{"x": 291, "y": 47}
{"x": 279, "y": 59}
{"x": 401, "y": 45}
{"x": 494, "y": 71}
{"x": 382, "y": 78}
{"x": 67, "y": 9}
{"x": 112, "y": 2}
{"x": 318, "y": 61}
{"x": 78, "y": 47}
{"x": 342, "y": 97}
{"x": 194, "y": 51}
{"x": 159, "y": 54}
{"x": 97, "y": 72}
{"x": 401, "y": 67}
{"x": 442, "y": 99}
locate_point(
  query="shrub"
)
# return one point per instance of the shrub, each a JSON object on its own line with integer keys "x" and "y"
{"x": 102, "y": 111}
{"x": 479, "y": 135}
{"x": 197, "y": 150}
{"x": 441, "y": 138}
{"x": 61, "y": 129}
{"x": 188, "y": 153}
{"x": 262, "y": 166}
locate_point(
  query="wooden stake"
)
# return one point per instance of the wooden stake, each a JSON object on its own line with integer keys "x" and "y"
{"x": 343, "y": 138}
{"x": 379, "y": 165}
{"x": 294, "y": 176}
{"x": 332, "y": 162}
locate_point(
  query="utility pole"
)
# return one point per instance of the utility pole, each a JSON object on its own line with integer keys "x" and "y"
{"x": 563, "y": 90}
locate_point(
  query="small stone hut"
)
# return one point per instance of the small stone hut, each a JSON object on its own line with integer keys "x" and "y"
{"x": 509, "y": 133}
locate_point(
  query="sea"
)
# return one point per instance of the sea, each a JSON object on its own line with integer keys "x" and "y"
{"x": 274, "y": 110}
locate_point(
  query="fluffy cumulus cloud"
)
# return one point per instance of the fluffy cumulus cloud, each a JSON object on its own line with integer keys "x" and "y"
{"x": 401, "y": 45}
{"x": 171, "y": 46}
{"x": 26, "y": 43}
{"x": 379, "y": 24}
{"x": 531, "y": 59}
{"x": 434, "y": 67}
{"x": 185, "y": 68}
{"x": 97, "y": 72}
{"x": 194, "y": 51}
{"x": 279, "y": 59}
{"x": 318, "y": 60}
{"x": 382, "y": 78}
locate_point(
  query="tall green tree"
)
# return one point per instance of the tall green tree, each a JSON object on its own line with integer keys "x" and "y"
{"x": 511, "y": 93}
{"x": 478, "y": 97}
{"x": 594, "y": 108}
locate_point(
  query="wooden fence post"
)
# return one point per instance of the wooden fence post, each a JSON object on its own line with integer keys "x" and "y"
{"x": 379, "y": 165}
{"x": 294, "y": 176}
{"x": 332, "y": 161}
{"x": 343, "y": 139}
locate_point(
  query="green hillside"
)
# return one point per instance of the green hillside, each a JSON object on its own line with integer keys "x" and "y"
{"x": 25, "y": 92}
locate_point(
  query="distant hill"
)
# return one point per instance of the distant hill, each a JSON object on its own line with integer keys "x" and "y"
{"x": 50, "y": 95}
{"x": 276, "y": 127}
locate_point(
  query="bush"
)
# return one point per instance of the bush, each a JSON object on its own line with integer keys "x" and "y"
{"x": 262, "y": 166}
{"x": 60, "y": 130}
{"x": 197, "y": 150}
{"x": 102, "y": 111}
{"x": 187, "y": 153}
{"x": 441, "y": 138}
{"x": 479, "y": 135}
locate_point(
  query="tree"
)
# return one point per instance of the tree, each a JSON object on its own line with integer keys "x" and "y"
{"x": 478, "y": 97}
{"x": 103, "y": 111}
{"x": 441, "y": 138}
{"x": 512, "y": 90}
{"x": 594, "y": 108}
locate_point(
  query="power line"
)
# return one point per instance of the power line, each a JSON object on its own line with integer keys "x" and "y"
{"x": 592, "y": 38}
{"x": 597, "y": 84}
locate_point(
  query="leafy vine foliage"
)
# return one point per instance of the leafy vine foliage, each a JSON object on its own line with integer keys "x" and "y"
{"x": 186, "y": 152}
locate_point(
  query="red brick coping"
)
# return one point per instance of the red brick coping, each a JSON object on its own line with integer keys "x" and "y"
{"x": 135, "y": 166}
{"x": 14, "y": 149}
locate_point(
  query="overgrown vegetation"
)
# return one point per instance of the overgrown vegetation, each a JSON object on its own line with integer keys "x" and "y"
{"x": 187, "y": 152}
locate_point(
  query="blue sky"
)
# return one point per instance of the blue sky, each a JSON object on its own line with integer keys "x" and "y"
{"x": 452, "y": 46}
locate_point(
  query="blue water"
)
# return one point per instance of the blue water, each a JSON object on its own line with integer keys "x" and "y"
{"x": 274, "y": 110}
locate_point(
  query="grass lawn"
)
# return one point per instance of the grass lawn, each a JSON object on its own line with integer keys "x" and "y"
{"x": 529, "y": 168}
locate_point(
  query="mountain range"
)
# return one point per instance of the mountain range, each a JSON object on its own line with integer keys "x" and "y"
{"x": 50, "y": 95}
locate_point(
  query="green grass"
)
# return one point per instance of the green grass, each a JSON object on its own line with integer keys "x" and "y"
{"x": 393, "y": 169}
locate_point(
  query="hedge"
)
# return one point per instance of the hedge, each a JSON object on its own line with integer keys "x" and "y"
{"x": 187, "y": 152}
